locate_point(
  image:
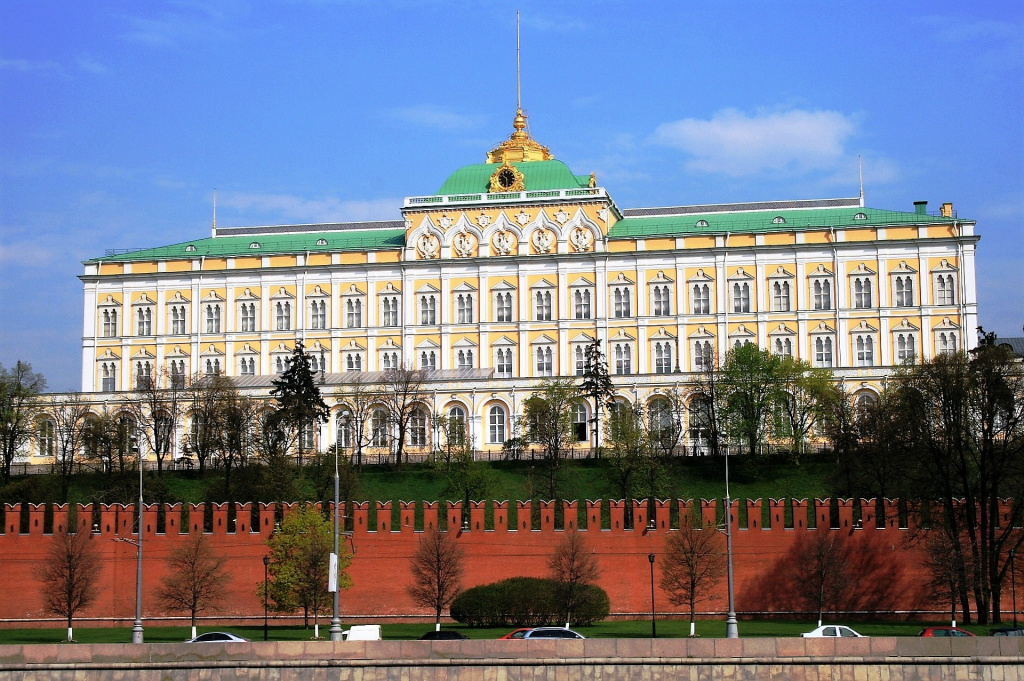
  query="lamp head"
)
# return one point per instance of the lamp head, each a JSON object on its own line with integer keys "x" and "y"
{"x": 650, "y": 557}
{"x": 266, "y": 561}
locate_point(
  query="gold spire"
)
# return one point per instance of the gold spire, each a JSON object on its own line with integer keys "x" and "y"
{"x": 519, "y": 147}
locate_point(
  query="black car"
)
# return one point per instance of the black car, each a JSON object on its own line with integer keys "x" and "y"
{"x": 442, "y": 635}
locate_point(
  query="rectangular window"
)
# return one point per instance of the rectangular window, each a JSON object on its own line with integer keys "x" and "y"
{"x": 862, "y": 293}
{"x": 621, "y": 300}
{"x": 701, "y": 355}
{"x": 701, "y": 299}
{"x": 741, "y": 297}
{"x": 213, "y": 319}
{"x": 389, "y": 316}
{"x": 662, "y": 358}
{"x": 543, "y": 308}
{"x": 822, "y": 289}
{"x": 780, "y": 296}
{"x": 283, "y": 315}
{"x": 353, "y": 313}
{"x": 823, "y": 352}
{"x": 108, "y": 376}
{"x": 464, "y": 308}
{"x": 904, "y": 292}
{"x": 503, "y": 362}
{"x": 581, "y": 300}
{"x": 109, "y": 323}
{"x": 544, "y": 361}
{"x": 623, "y": 359}
{"x": 428, "y": 310}
{"x": 318, "y": 314}
{"x": 464, "y": 359}
{"x": 944, "y": 290}
{"x": 144, "y": 319}
{"x": 865, "y": 354}
{"x": 503, "y": 307}
{"x": 661, "y": 301}
{"x": 248, "y": 316}
{"x": 581, "y": 360}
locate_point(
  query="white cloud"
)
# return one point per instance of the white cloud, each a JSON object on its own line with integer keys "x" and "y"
{"x": 435, "y": 117}
{"x": 737, "y": 144}
{"x": 29, "y": 66}
{"x": 187, "y": 22}
{"x": 90, "y": 64}
{"x": 301, "y": 210}
{"x": 25, "y": 254}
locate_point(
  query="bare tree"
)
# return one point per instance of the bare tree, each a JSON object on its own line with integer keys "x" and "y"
{"x": 574, "y": 566}
{"x": 944, "y": 568}
{"x": 708, "y": 408}
{"x": 157, "y": 405}
{"x": 239, "y": 437}
{"x": 196, "y": 580}
{"x": 822, "y": 573}
{"x": 436, "y": 572}
{"x": 631, "y": 453}
{"x": 69, "y": 575}
{"x": 403, "y": 393}
{"x": 692, "y": 566}
{"x": 358, "y": 400}
{"x": 205, "y": 407}
{"x": 19, "y": 390}
{"x": 69, "y": 413}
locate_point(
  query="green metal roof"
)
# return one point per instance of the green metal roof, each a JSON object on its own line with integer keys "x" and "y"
{"x": 536, "y": 175}
{"x": 269, "y": 244}
{"x": 764, "y": 221}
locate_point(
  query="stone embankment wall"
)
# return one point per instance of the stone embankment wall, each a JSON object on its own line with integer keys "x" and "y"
{"x": 883, "y": 554}
{"x": 867, "y": 659}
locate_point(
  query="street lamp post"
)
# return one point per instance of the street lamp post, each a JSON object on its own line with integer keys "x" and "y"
{"x": 266, "y": 563}
{"x": 336, "y": 619}
{"x": 137, "y": 633}
{"x": 1013, "y": 586}
{"x": 654, "y": 629}
{"x": 731, "y": 630}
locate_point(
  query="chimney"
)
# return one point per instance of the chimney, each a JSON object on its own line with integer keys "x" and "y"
{"x": 946, "y": 210}
{"x": 921, "y": 207}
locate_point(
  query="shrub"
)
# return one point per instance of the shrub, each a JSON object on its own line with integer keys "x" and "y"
{"x": 524, "y": 602}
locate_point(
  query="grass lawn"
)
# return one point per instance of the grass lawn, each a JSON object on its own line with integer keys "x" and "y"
{"x": 689, "y": 478}
{"x": 610, "y": 629}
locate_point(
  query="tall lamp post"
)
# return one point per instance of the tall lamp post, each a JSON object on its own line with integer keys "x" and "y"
{"x": 654, "y": 629}
{"x": 137, "y": 634}
{"x": 266, "y": 564}
{"x": 731, "y": 630}
{"x": 333, "y": 578}
{"x": 1013, "y": 586}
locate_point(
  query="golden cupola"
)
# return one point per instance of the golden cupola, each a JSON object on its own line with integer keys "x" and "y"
{"x": 519, "y": 147}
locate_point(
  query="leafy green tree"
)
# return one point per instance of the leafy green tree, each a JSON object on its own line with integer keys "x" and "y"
{"x": 205, "y": 402}
{"x": 964, "y": 415}
{"x": 195, "y": 580}
{"x": 299, "y": 402}
{"x": 802, "y": 399}
{"x": 455, "y": 459}
{"x": 750, "y": 377}
{"x": 19, "y": 392}
{"x": 299, "y": 566}
{"x": 596, "y": 383}
{"x": 629, "y": 449}
{"x": 239, "y": 439}
{"x": 549, "y": 424}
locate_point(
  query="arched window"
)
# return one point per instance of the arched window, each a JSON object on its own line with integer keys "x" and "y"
{"x": 865, "y": 351}
{"x": 822, "y": 294}
{"x": 662, "y": 301}
{"x": 582, "y": 299}
{"x": 379, "y": 428}
{"x": 823, "y": 352}
{"x": 504, "y": 307}
{"x": 456, "y": 430}
{"x": 45, "y": 439}
{"x": 418, "y": 428}
{"x": 496, "y": 425}
{"x": 780, "y": 299}
{"x": 862, "y": 293}
{"x": 428, "y": 310}
{"x": 623, "y": 358}
{"x": 662, "y": 358}
{"x": 283, "y": 316}
{"x": 390, "y": 309}
{"x": 544, "y": 361}
{"x": 741, "y": 297}
{"x": 701, "y": 299}
{"x": 904, "y": 292}
{"x": 213, "y": 319}
{"x": 701, "y": 355}
{"x": 464, "y": 307}
{"x": 580, "y": 431}
{"x": 905, "y": 347}
{"x": 581, "y": 361}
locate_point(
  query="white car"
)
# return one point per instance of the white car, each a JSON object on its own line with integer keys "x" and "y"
{"x": 217, "y": 637}
{"x": 832, "y": 631}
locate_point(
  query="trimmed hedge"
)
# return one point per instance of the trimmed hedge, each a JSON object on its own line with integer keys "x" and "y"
{"x": 526, "y": 602}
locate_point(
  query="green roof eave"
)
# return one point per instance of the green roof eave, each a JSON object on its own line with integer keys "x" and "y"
{"x": 269, "y": 244}
{"x": 764, "y": 221}
{"x": 536, "y": 175}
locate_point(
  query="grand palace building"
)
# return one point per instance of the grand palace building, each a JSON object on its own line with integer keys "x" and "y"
{"x": 503, "y": 277}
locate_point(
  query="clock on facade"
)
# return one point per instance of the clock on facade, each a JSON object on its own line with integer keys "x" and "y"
{"x": 507, "y": 178}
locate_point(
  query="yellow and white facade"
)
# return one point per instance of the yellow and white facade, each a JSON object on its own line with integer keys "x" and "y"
{"x": 502, "y": 277}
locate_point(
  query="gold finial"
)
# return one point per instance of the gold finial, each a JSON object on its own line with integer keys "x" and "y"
{"x": 519, "y": 147}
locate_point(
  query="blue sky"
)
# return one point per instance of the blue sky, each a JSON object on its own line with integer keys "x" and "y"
{"x": 118, "y": 119}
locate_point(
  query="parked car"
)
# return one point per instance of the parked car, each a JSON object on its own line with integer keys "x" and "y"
{"x": 944, "y": 631}
{"x": 443, "y": 635}
{"x": 544, "y": 632}
{"x": 217, "y": 637}
{"x": 517, "y": 633}
{"x": 1008, "y": 631}
{"x": 363, "y": 632}
{"x": 832, "y": 631}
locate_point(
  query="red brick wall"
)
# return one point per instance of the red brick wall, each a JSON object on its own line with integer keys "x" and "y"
{"x": 887, "y": 568}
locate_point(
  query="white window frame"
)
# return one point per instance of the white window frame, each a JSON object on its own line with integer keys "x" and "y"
{"x": 623, "y": 359}
{"x": 905, "y": 344}
{"x": 822, "y": 293}
{"x": 622, "y": 301}
{"x": 497, "y": 420}
{"x": 661, "y": 356}
{"x": 428, "y": 309}
{"x": 863, "y": 350}
{"x": 504, "y": 306}
{"x": 823, "y": 350}
{"x": 544, "y": 360}
{"x": 504, "y": 363}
